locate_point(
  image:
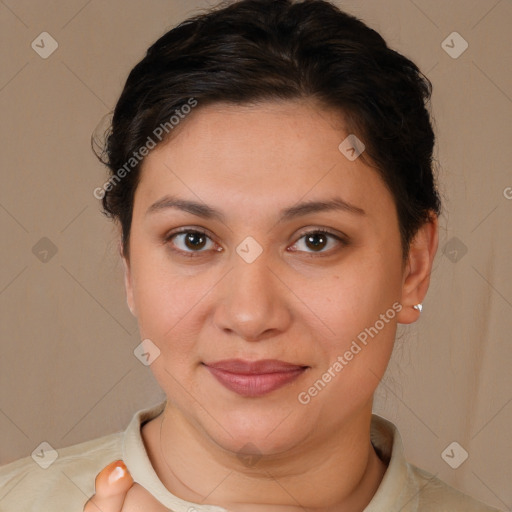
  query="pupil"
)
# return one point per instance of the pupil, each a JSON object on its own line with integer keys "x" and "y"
{"x": 190, "y": 240}
{"x": 316, "y": 245}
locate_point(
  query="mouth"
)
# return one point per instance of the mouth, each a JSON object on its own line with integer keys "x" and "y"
{"x": 254, "y": 378}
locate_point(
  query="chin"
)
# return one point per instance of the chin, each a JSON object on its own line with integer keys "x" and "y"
{"x": 269, "y": 434}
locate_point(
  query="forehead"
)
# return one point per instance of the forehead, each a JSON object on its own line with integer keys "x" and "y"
{"x": 261, "y": 156}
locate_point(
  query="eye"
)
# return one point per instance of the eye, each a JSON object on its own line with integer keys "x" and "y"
{"x": 190, "y": 241}
{"x": 317, "y": 240}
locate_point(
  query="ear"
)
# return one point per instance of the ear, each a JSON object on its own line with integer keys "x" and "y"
{"x": 416, "y": 277}
{"x": 128, "y": 285}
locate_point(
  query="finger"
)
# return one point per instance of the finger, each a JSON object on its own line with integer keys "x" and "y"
{"x": 112, "y": 484}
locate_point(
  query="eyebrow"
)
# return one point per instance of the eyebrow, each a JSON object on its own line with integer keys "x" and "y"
{"x": 298, "y": 210}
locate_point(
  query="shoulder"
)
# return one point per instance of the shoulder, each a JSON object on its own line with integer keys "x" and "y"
{"x": 66, "y": 483}
{"x": 435, "y": 495}
{"x": 408, "y": 488}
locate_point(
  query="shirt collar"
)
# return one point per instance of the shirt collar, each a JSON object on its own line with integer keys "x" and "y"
{"x": 383, "y": 434}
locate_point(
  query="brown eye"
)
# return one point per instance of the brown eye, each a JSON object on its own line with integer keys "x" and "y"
{"x": 316, "y": 241}
{"x": 189, "y": 242}
{"x": 195, "y": 240}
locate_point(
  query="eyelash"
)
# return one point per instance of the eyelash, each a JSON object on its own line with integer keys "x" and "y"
{"x": 195, "y": 254}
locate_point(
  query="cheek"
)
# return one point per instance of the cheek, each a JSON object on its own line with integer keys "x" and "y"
{"x": 169, "y": 313}
{"x": 356, "y": 294}
{"x": 164, "y": 295}
{"x": 359, "y": 304}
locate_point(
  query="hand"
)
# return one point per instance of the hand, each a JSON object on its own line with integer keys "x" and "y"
{"x": 139, "y": 500}
{"x": 112, "y": 485}
{"x": 116, "y": 492}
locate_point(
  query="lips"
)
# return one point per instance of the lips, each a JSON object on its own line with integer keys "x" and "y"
{"x": 254, "y": 378}
{"x": 254, "y": 367}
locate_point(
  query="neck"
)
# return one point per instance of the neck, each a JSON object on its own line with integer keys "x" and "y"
{"x": 334, "y": 473}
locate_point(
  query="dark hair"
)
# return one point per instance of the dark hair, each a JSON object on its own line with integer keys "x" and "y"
{"x": 257, "y": 50}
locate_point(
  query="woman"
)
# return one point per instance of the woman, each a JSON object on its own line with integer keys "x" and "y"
{"x": 271, "y": 175}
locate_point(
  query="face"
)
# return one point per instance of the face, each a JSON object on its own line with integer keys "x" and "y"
{"x": 292, "y": 254}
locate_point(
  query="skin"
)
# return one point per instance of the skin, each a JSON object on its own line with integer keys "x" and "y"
{"x": 250, "y": 162}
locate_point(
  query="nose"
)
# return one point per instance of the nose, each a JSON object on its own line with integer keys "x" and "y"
{"x": 252, "y": 303}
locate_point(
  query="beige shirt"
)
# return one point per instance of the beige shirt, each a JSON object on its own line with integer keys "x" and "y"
{"x": 66, "y": 484}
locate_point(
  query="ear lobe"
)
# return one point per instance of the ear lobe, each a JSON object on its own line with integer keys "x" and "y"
{"x": 416, "y": 281}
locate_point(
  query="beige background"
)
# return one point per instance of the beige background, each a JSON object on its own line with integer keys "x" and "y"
{"x": 67, "y": 369}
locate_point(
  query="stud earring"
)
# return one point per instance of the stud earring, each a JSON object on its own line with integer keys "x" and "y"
{"x": 418, "y": 307}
